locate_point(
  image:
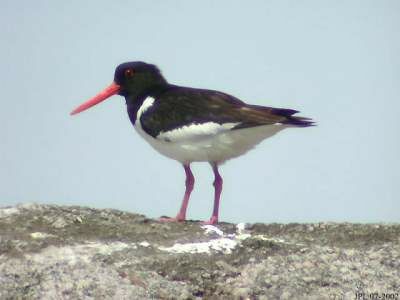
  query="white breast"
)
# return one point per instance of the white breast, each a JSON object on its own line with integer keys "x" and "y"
{"x": 194, "y": 132}
{"x": 205, "y": 142}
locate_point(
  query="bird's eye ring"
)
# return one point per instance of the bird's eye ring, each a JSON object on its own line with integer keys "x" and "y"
{"x": 128, "y": 73}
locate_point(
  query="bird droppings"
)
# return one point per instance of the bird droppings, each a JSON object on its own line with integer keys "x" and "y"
{"x": 222, "y": 245}
{"x": 209, "y": 229}
{"x": 240, "y": 228}
{"x": 111, "y": 254}
{"x": 144, "y": 244}
{"x": 40, "y": 235}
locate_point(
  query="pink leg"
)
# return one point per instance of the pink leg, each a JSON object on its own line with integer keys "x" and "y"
{"x": 181, "y": 216}
{"x": 218, "y": 189}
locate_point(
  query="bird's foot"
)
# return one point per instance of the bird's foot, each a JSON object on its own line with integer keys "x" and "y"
{"x": 178, "y": 218}
{"x": 213, "y": 220}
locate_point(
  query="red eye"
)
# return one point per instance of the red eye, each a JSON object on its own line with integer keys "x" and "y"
{"x": 129, "y": 73}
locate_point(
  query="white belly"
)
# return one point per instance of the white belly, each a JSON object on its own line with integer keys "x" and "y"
{"x": 215, "y": 148}
{"x": 208, "y": 142}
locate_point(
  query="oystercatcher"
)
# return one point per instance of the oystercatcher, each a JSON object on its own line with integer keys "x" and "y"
{"x": 192, "y": 125}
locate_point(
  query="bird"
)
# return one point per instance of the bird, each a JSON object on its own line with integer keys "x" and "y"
{"x": 191, "y": 124}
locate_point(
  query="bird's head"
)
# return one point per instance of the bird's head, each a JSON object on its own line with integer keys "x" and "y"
{"x": 131, "y": 79}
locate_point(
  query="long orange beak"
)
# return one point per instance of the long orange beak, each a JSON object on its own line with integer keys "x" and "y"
{"x": 112, "y": 89}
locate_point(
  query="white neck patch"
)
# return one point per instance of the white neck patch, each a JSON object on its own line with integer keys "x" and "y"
{"x": 147, "y": 103}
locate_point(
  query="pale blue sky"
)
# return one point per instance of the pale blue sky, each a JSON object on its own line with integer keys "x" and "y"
{"x": 335, "y": 61}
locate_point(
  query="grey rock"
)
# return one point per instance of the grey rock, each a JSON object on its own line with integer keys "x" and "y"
{"x": 58, "y": 252}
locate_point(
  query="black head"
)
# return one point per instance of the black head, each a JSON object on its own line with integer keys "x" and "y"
{"x": 136, "y": 77}
{"x": 131, "y": 80}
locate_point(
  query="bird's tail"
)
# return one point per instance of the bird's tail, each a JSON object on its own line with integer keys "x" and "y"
{"x": 293, "y": 120}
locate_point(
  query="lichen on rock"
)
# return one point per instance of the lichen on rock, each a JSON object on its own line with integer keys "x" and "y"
{"x": 59, "y": 252}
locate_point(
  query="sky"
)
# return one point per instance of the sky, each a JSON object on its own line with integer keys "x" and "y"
{"x": 335, "y": 61}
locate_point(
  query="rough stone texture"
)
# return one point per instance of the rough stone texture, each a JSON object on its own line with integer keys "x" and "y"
{"x": 57, "y": 252}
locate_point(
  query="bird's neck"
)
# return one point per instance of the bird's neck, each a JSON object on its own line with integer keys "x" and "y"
{"x": 135, "y": 100}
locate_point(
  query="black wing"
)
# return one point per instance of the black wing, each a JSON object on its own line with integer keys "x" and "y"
{"x": 180, "y": 106}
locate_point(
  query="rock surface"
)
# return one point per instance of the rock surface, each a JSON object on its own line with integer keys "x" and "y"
{"x": 57, "y": 252}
